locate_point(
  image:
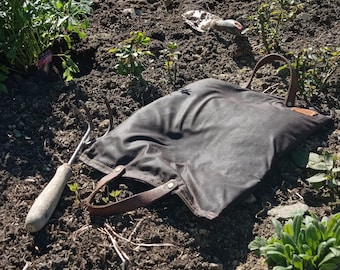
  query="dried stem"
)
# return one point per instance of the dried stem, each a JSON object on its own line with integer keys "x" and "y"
{"x": 121, "y": 254}
{"x": 137, "y": 244}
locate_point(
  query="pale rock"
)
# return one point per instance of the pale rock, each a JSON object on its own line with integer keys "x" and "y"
{"x": 288, "y": 211}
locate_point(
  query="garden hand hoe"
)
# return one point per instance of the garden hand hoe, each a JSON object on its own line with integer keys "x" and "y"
{"x": 203, "y": 21}
{"x": 45, "y": 204}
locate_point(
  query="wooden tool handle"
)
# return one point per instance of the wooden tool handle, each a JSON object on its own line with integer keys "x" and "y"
{"x": 45, "y": 204}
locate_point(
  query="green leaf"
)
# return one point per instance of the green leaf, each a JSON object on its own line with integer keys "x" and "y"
{"x": 283, "y": 267}
{"x": 278, "y": 246}
{"x": 277, "y": 226}
{"x": 61, "y": 21}
{"x": 308, "y": 260}
{"x": 300, "y": 158}
{"x": 322, "y": 249}
{"x": 337, "y": 233}
{"x": 59, "y": 4}
{"x": 321, "y": 229}
{"x": 328, "y": 266}
{"x": 288, "y": 252}
{"x": 336, "y": 171}
{"x": 311, "y": 236}
{"x": 4, "y": 69}
{"x": 287, "y": 239}
{"x": 282, "y": 68}
{"x": 3, "y": 77}
{"x": 297, "y": 222}
{"x": 276, "y": 257}
{"x": 288, "y": 227}
{"x": 115, "y": 193}
{"x": 309, "y": 219}
{"x": 3, "y": 88}
{"x": 297, "y": 262}
{"x": 67, "y": 75}
{"x": 145, "y": 41}
{"x": 257, "y": 243}
{"x": 332, "y": 226}
{"x": 73, "y": 187}
{"x": 307, "y": 249}
{"x": 333, "y": 183}
{"x": 335, "y": 251}
{"x": 301, "y": 238}
{"x": 68, "y": 41}
{"x": 81, "y": 35}
{"x": 317, "y": 178}
{"x": 72, "y": 65}
{"x": 320, "y": 162}
{"x": 332, "y": 257}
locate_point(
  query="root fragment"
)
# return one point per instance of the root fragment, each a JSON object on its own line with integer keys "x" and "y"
{"x": 115, "y": 237}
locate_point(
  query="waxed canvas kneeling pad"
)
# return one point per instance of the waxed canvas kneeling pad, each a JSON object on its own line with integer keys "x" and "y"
{"x": 217, "y": 140}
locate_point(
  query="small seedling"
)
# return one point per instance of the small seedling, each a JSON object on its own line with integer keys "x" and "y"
{"x": 68, "y": 65}
{"x": 114, "y": 194}
{"x": 328, "y": 173}
{"x": 74, "y": 188}
{"x": 302, "y": 244}
{"x": 314, "y": 69}
{"x": 171, "y": 63}
{"x": 269, "y": 19}
{"x": 130, "y": 55}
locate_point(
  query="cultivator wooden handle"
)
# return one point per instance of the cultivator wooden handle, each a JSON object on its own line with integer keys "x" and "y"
{"x": 45, "y": 204}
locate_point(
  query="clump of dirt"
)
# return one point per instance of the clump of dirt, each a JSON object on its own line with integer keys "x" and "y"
{"x": 39, "y": 131}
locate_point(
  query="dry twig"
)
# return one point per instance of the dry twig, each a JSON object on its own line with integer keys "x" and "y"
{"x": 110, "y": 232}
{"x": 80, "y": 231}
{"x": 122, "y": 255}
{"x": 137, "y": 244}
{"x": 135, "y": 229}
{"x": 27, "y": 265}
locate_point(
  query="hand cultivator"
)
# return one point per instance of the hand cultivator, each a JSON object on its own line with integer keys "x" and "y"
{"x": 45, "y": 204}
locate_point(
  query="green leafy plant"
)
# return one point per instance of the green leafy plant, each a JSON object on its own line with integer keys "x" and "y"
{"x": 171, "y": 61}
{"x": 74, "y": 188}
{"x": 29, "y": 28}
{"x": 114, "y": 194}
{"x": 326, "y": 166}
{"x": 68, "y": 65}
{"x": 302, "y": 243}
{"x": 269, "y": 19}
{"x": 329, "y": 173}
{"x": 130, "y": 55}
{"x": 314, "y": 68}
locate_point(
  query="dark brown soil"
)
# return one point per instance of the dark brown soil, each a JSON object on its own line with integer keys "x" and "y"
{"x": 39, "y": 131}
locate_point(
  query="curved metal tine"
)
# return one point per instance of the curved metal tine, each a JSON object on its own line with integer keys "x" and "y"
{"x": 85, "y": 138}
{"x": 110, "y": 126}
{"x": 88, "y": 121}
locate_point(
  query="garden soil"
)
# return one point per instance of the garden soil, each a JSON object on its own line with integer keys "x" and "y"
{"x": 39, "y": 131}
